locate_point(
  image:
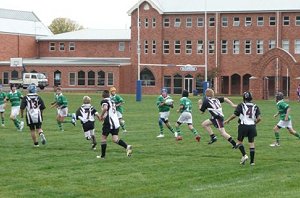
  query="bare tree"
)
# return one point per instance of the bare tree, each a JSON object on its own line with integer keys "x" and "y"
{"x": 61, "y": 25}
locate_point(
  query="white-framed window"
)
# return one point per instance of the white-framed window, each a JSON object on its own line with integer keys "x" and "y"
{"x": 200, "y": 21}
{"x": 101, "y": 78}
{"x": 224, "y": 46}
{"x": 260, "y": 21}
{"x": 177, "y": 22}
{"x": 71, "y": 46}
{"x": 247, "y": 46}
{"x": 61, "y": 46}
{"x": 177, "y": 46}
{"x": 211, "y": 22}
{"x": 211, "y": 47}
{"x": 153, "y": 22}
{"x": 297, "y": 20}
{"x": 5, "y": 78}
{"x": 272, "y": 20}
{"x": 200, "y": 47}
{"x": 166, "y": 47}
{"x": 72, "y": 79}
{"x": 297, "y": 46}
{"x": 154, "y": 47}
{"x": 110, "y": 78}
{"x": 286, "y": 45}
{"x": 188, "y": 47}
{"x": 248, "y": 21}
{"x": 146, "y": 23}
{"x": 91, "y": 78}
{"x": 259, "y": 46}
{"x": 166, "y": 22}
{"x": 121, "y": 46}
{"x": 236, "y": 46}
{"x": 146, "y": 47}
{"x": 224, "y": 21}
{"x": 236, "y": 21}
{"x": 272, "y": 44}
{"x": 286, "y": 20}
{"x": 51, "y": 46}
{"x": 189, "y": 22}
{"x": 81, "y": 78}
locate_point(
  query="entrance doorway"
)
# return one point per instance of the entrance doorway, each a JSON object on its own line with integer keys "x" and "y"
{"x": 188, "y": 84}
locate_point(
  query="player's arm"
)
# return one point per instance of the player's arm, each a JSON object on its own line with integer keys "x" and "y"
{"x": 22, "y": 107}
{"x": 230, "y": 102}
{"x": 180, "y": 107}
{"x": 104, "y": 110}
{"x": 233, "y": 116}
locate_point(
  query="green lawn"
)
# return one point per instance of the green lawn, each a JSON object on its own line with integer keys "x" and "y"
{"x": 67, "y": 167}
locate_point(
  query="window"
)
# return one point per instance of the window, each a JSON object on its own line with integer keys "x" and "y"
{"x": 236, "y": 46}
{"x": 14, "y": 75}
{"x": 153, "y": 47}
{"x": 177, "y": 82}
{"x": 177, "y": 22}
{"x": 146, "y": 23}
{"x": 224, "y": 47}
{"x": 272, "y": 21}
{"x": 110, "y": 79}
{"x": 286, "y": 45}
{"x": 200, "y": 22}
{"x": 72, "y": 79}
{"x": 248, "y": 21}
{"x": 5, "y": 78}
{"x": 259, "y": 46}
{"x": 224, "y": 21}
{"x": 211, "y": 47}
{"x": 167, "y": 83}
{"x": 297, "y": 46}
{"x": 153, "y": 22}
{"x": 236, "y": 21}
{"x": 101, "y": 78}
{"x": 272, "y": 44}
{"x": 51, "y": 46}
{"x": 146, "y": 47}
{"x": 188, "y": 47}
{"x": 147, "y": 78}
{"x": 286, "y": 20}
{"x": 91, "y": 78}
{"x": 81, "y": 78}
{"x": 297, "y": 21}
{"x": 211, "y": 22}
{"x": 247, "y": 47}
{"x": 260, "y": 21}
{"x": 200, "y": 47}
{"x": 71, "y": 46}
{"x": 166, "y": 22}
{"x": 57, "y": 78}
{"x": 121, "y": 46}
{"x": 189, "y": 22}
{"x": 177, "y": 46}
{"x": 61, "y": 46}
{"x": 166, "y": 47}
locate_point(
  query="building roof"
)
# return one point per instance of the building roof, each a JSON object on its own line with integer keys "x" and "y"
{"x": 192, "y": 6}
{"x": 91, "y": 34}
{"x": 22, "y": 22}
{"x": 78, "y": 61}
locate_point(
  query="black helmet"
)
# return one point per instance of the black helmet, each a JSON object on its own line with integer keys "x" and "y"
{"x": 247, "y": 96}
{"x": 185, "y": 93}
{"x": 279, "y": 96}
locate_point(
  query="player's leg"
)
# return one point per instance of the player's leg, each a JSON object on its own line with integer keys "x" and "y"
{"x": 105, "y": 133}
{"x": 120, "y": 142}
{"x": 276, "y": 133}
{"x": 227, "y": 137}
{"x": 41, "y": 133}
{"x": 292, "y": 130}
{"x": 206, "y": 124}
{"x": 33, "y": 135}
{"x": 194, "y": 131}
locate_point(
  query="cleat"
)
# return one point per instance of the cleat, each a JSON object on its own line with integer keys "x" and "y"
{"x": 124, "y": 131}
{"x": 100, "y": 157}
{"x": 43, "y": 138}
{"x": 2, "y": 125}
{"x": 275, "y": 144}
{"x": 160, "y": 136}
{"x": 252, "y": 164}
{"x": 74, "y": 119}
{"x": 179, "y": 138}
{"x": 175, "y": 134}
{"x": 198, "y": 138}
{"x": 244, "y": 159}
{"x": 21, "y": 125}
{"x": 212, "y": 140}
{"x": 129, "y": 150}
{"x": 94, "y": 146}
{"x": 36, "y": 145}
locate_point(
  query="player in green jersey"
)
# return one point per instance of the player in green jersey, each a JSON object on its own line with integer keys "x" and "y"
{"x": 14, "y": 96}
{"x": 2, "y": 104}
{"x": 119, "y": 104}
{"x": 185, "y": 109}
{"x": 164, "y": 112}
{"x": 285, "y": 119}
{"x": 61, "y": 103}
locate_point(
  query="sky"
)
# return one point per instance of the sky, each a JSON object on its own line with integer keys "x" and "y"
{"x": 92, "y": 14}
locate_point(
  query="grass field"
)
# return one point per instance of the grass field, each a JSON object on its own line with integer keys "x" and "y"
{"x": 67, "y": 167}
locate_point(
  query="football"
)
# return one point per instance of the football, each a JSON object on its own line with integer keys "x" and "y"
{"x": 169, "y": 101}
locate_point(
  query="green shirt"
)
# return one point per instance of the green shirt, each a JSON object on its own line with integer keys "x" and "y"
{"x": 118, "y": 100}
{"x": 2, "y": 97}
{"x": 61, "y": 101}
{"x": 15, "y": 98}
{"x": 164, "y": 107}
{"x": 187, "y": 105}
{"x": 282, "y": 107}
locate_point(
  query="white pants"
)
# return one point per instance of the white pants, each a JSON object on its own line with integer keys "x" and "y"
{"x": 185, "y": 117}
{"x": 15, "y": 111}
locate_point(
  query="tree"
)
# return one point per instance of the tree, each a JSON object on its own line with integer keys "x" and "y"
{"x": 61, "y": 25}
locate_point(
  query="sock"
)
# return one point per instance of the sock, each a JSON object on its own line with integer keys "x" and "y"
{"x": 59, "y": 125}
{"x": 17, "y": 123}
{"x": 252, "y": 153}
{"x": 178, "y": 130}
{"x": 122, "y": 143}
{"x": 297, "y": 135}
{"x": 103, "y": 149}
{"x": 277, "y": 138}
{"x": 94, "y": 139}
{"x": 69, "y": 115}
{"x": 161, "y": 127}
{"x": 212, "y": 136}
{"x": 122, "y": 123}
{"x": 242, "y": 149}
{"x": 171, "y": 129}
{"x": 232, "y": 141}
{"x": 194, "y": 131}
{"x": 2, "y": 120}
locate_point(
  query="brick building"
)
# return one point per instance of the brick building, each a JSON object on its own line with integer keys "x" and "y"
{"x": 245, "y": 44}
